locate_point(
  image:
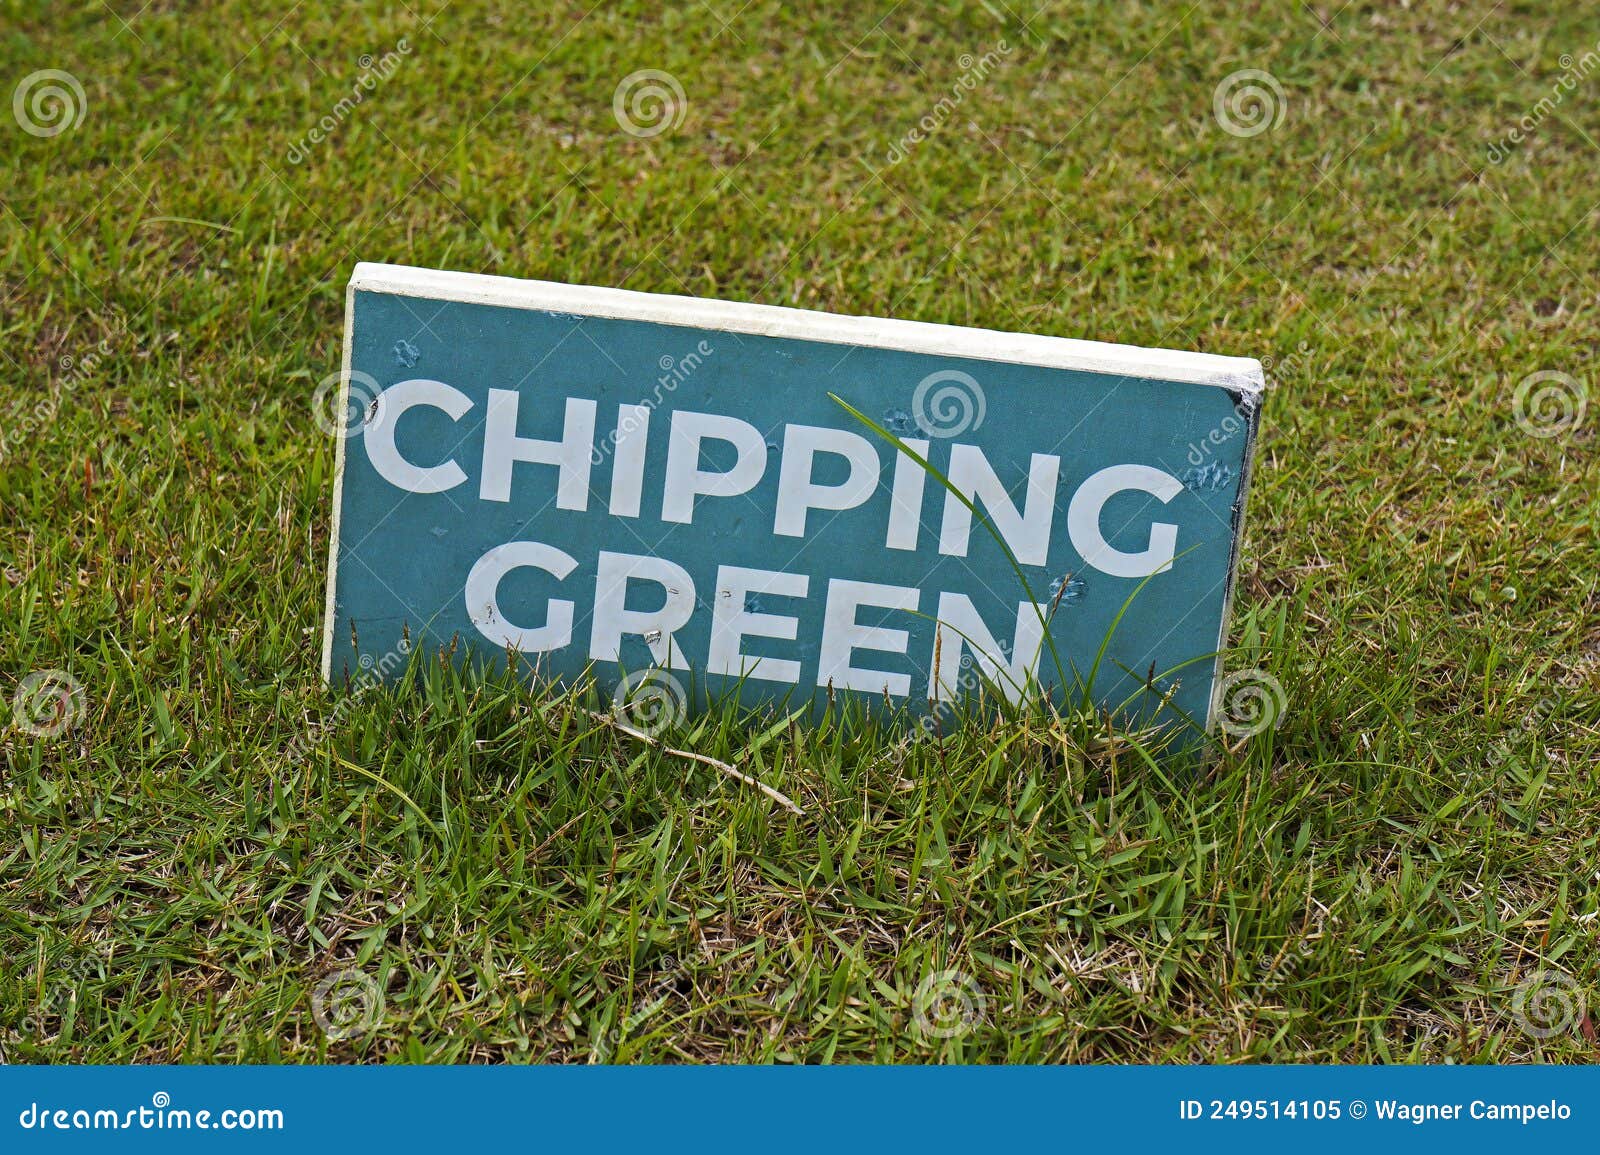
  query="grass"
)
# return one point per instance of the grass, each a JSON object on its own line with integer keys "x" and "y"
{"x": 471, "y": 871}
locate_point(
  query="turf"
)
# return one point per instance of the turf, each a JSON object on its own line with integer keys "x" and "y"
{"x": 1402, "y": 869}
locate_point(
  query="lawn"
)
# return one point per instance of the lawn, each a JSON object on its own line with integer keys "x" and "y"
{"x": 208, "y": 856}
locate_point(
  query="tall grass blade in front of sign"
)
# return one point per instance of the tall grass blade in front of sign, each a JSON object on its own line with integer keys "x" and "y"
{"x": 1011, "y": 558}
{"x": 1048, "y": 639}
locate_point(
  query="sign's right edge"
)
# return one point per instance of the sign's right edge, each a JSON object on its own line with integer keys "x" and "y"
{"x": 1247, "y": 401}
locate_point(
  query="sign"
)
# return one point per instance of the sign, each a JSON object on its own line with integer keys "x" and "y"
{"x": 776, "y": 504}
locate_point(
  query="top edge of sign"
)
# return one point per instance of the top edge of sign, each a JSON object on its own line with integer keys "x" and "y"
{"x": 1237, "y": 374}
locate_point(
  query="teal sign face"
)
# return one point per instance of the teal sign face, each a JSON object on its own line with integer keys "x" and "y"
{"x": 616, "y": 482}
